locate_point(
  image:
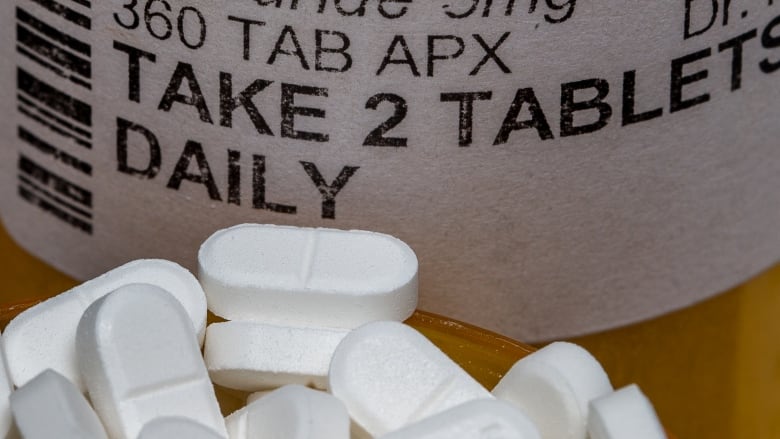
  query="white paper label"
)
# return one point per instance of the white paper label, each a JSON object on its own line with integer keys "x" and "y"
{"x": 560, "y": 166}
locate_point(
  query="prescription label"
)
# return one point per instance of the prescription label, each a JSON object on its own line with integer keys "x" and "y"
{"x": 559, "y": 166}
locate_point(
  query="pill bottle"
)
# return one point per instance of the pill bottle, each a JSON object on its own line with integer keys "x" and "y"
{"x": 602, "y": 171}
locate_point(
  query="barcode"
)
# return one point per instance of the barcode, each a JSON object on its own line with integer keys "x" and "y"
{"x": 67, "y": 13}
{"x": 55, "y": 194}
{"x": 56, "y": 125}
{"x": 54, "y": 109}
{"x": 52, "y": 49}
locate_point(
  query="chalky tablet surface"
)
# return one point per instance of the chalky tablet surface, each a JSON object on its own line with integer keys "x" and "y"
{"x": 253, "y": 356}
{"x": 176, "y": 428}
{"x": 307, "y": 277}
{"x": 50, "y": 406}
{"x": 140, "y": 360}
{"x": 43, "y": 337}
{"x": 6, "y": 387}
{"x": 626, "y": 413}
{"x": 254, "y": 396}
{"x": 291, "y": 412}
{"x": 390, "y": 375}
{"x": 479, "y": 419}
{"x": 553, "y": 387}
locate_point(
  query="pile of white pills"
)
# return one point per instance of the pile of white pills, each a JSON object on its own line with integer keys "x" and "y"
{"x": 312, "y": 325}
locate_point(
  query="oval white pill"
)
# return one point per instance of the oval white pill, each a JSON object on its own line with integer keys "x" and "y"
{"x": 50, "y": 406}
{"x": 307, "y": 277}
{"x": 291, "y": 412}
{"x": 253, "y": 356}
{"x": 140, "y": 359}
{"x": 389, "y": 375}
{"x": 43, "y": 337}
{"x": 479, "y": 419}
{"x": 176, "y": 428}
{"x": 626, "y": 413}
{"x": 553, "y": 387}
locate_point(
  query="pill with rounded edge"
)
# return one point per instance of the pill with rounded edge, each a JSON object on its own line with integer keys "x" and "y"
{"x": 140, "y": 359}
{"x": 175, "y": 427}
{"x": 6, "y": 387}
{"x": 292, "y": 276}
{"x": 253, "y": 356}
{"x": 626, "y": 413}
{"x": 478, "y": 419}
{"x": 50, "y": 406}
{"x": 291, "y": 412}
{"x": 553, "y": 387}
{"x": 43, "y": 337}
{"x": 254, "y": 396}
{"x": 389, "y": 375}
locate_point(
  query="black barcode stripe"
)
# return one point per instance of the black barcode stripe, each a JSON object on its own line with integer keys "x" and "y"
{"x": 45, "y": 48}
{"x": 58, "y": 120}
{"x": 43, "y": 63}
{"x": 85, "y": 3}
{"x": 53, "y": 98}
{"x": 54, "y": 128}
{"x": 57, "y": 183}
{"x": 55, "y": 34}
{"x": 65, "y": 12}
{"x": 51, "y": 197}
{"x": 51, "y": 150}
{"x": 54, "y": 210}
{"x": 65, "y": 128}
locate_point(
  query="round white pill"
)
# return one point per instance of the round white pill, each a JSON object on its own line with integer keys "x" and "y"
{"x": 626, "y": 413}
{"x": 292, "y": 276}
{"x": 140, "y": 359}
{"x": 253, "y": 356}
{"x": 553, "y": 387}
{"x": 389, "y": 375}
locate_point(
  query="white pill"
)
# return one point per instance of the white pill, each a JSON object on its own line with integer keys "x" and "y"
{"x": 50, "y": 406}
{"x": 253, "y": 356}
{"x": 626, "y": 413}
{"x": 291, "y": 412}
{"x": 479, "y": 419}
{"x": 140, "y": 360}
{"x": 176, "y": 428}
{"x": 254, "y": 396}
{"x": 307, "y": 277}
{"x": 43, "y": 337}
{"x": 553, "y": 386}
{"x": 389, "y": 375}
{"x": 6, "y": 387}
